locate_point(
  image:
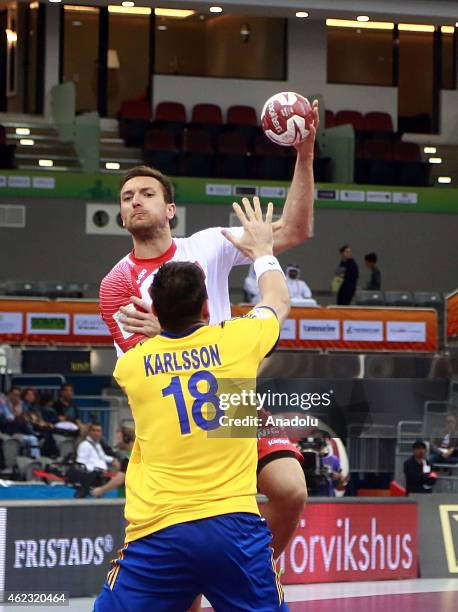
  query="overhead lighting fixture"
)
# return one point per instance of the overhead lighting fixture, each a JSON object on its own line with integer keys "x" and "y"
{"x": 415, "y": 27}
{"x": 362, "y": 18}
{"x": 27, "y": 142}
{"x": 173, "y": 13}
{"x": 34, "y": 5}
{"x": 22, "y": 131}
{"x": 11, "y": 36}
{"x": 302, "y": 14}
{"x": 435, "y": 160}
{"x": 448, "y": 29}
{"x": 369, "y": 25}
{"x": 216, "y": 9}
{"x": 76, "y": 8}
{"x": 162, "y": 28}
{"x": 445, "y": 180}
{"x": 46, "y": 163}
{"x": 129, "y": 10}
{"x": 127, "y": 3}
{"x": 55, "y": 1}
{"x": 430, "y": 150}
{"x": 77, "y": 24}
{"x": 112, "y": 165}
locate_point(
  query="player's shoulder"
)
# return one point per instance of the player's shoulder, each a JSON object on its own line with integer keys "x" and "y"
{"x": 251, "y": 317}
{"x": 206, "y": 237}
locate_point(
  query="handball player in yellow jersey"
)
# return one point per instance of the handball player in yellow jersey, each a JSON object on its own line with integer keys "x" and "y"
{"x": 193, "y": 521}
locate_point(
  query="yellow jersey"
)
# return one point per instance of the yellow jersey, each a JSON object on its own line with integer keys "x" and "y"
{"x": 184, "y": 465}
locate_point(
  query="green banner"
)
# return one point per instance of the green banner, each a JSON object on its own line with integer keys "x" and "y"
{"x": 105, "y": 187}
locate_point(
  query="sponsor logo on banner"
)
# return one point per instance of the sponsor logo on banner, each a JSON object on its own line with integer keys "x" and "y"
{"x": 378, "y": 196}
{"x": 338, "y": 542}
{"x": 19, "y": 181}
{"x": 449, "y": 522}
{"x": 2, "y": 181}
{"x": 89, "y": 325}
{"x": 11, "y": 323}
{"x": 288, "y": 330}
{"x": 327, "y": 194}
{"x": 402, "y": 197}
{"x": 272, "y": 192}
{"x": 44, "y": 182}
{"x": 406, "y": 331}
{"x": 353, "y": 195}
{"x": 60, "y": 552}
{"x": 48, "y": 323}
{"x": 363, "y": 331}
{"x": 319, "y": 329}
{"x": 218, "y": 190}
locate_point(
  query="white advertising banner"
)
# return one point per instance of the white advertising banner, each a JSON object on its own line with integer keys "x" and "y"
{"x": 319, "y": 329}
{"x": 406, "y": 331}
{"x": 363, "y": 331}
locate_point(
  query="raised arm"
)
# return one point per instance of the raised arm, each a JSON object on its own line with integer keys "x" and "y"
{"x": 296, "y": 222}
{"x": 257, "y": 244}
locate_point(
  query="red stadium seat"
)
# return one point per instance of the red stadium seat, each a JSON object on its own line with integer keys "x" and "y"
{"x": 242, "y": 115}
{"x": 329, "y": 119}
{"x": 353, "y": 118}
{"x": 207, "y": 113}
{"x": 199, "y": 157}
{"x": 135, "y": 109}
{"x": 170, "y": 111}
{"x": 134, "y": 119}
{"x": 233, "y": 155}
{"x": 378, "y": 122}
{"x": 160, "y": 150}
{"x": 406, "y": 151}
{"x": 378, "y": 149}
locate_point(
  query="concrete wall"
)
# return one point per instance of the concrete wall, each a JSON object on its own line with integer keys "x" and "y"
{"x": 416, "y": 251}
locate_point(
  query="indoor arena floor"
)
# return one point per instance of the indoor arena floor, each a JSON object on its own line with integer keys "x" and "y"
{"x": 421, "y": 595}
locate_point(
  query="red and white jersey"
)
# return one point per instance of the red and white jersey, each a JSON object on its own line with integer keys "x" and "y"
{"x": 132, "y": 276}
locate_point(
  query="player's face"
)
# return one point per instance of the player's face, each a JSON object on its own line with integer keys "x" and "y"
{"x": 143, "y": 208}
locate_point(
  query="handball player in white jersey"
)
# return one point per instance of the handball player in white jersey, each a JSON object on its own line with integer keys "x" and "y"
{"x": 147, "y": 208}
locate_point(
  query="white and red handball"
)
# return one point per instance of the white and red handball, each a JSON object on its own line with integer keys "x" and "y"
{"x": 286, "y": 118}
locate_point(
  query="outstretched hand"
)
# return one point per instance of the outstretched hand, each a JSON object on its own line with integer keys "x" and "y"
{"x": 257, "y": 238}
{"x": 306, "y": 147}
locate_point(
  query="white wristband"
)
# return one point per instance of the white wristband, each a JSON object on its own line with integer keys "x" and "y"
{"x": 266, "y": 263}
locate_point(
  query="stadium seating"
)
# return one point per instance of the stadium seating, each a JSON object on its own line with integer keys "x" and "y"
{"x": 411, "y": 169}
{"x": 354, "y": 118}
{"x": 160, "y": 150}
{"x": 171, "y": 116}
{"x": 398, "y": 298}
{"x": 198, "y": 154}
{"x": 243, "y": 119}
{"x": 233, "y": 155}
{"x": 207, "y": 117}
{"x": 134, "y": 118}
{"x": 268, "y": 160}
{"x": 379, "y": 126}
{"x": 428, "y": 299}
{"x": 329, "y": 119}
{"x": 369, "y": 298}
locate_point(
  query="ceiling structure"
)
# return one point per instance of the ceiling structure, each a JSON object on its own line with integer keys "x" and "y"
{"x": 436, "y": 12}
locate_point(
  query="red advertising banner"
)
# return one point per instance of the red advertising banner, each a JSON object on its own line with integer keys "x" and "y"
{"x": 362, "y": 329}
{"x": 452, "y": 314}
{"x": 78, "y": 322}
{"x": 338, "y": 542}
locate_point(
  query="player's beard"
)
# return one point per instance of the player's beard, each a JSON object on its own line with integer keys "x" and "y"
{"x": 148, "y": 230}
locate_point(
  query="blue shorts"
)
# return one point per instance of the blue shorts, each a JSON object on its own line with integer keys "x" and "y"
{"x": 227, "y": 558}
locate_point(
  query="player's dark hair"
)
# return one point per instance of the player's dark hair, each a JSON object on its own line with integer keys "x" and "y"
{"x": 343, "y": 248}
{"x": 418, "y": 444}
{"x": 178, "y": 293}
{"x": 167, "y": 188}
{"x": 371, "y": 257}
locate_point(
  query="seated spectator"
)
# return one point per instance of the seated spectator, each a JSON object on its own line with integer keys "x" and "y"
{"x": 15, "y": 421}
{"x": 67, "y": 411}
{"x": 250, "y": 287}
{"x": 375, "y": 280}
{"x": 299, "y": 292}
{"x": 417, "y": 470}
{"x": 445, "y": 448}
{"x": 90, "y": 452}
{"x": 47, "y": 411}
{"x": 125, "y": 443}
{"x": 29, "y": 400}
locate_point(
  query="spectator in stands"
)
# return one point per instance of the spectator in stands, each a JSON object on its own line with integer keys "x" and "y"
{"x": 90, "y": 452}
{"x": 375, "y": 280}
{"x": 299, "y": 291}
{"x": 445, "y": 448}
{"x": 15, "y": 421}
{"x": 417, "y": 470}
{"x": 348, "y": 272}
{"x": 125, "y": 443}
{"x": 67, "y": 411}
{"x": 250, "y": 287}
{"x": 29, "y": 399}
{"x": 47, "y": 410}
